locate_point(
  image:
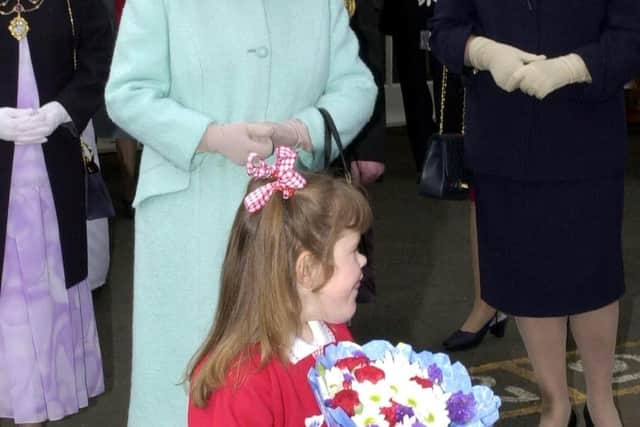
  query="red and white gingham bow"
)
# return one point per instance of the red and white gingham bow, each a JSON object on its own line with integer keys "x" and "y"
{"x": 288, "y": 180}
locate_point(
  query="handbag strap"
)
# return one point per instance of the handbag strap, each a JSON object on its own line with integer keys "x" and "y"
{"x": 87, "y": 153}
{"x": 331, "y": 132}
{"x": 443, "y": 97}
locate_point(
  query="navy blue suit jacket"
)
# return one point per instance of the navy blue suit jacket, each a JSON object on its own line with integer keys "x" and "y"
{"x": 577, "y": 132}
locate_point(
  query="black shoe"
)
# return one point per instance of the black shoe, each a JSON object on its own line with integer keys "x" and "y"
{"x": 573, "y": 419}
{"x": 588, "y": 422}
{"x": 462, "y": 340}
{"x": 498, "y": 325}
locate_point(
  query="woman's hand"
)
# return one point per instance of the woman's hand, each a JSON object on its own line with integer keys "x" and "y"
{"x": 237, "y": 140}
{"x": 46, "y": 120}
{"x": 501, "y": 60}
{"x": 366, "y": 172}
{"x": 541, "y": 78}
{"x": 22, "y": 125}
{"x": 292, "y": 133}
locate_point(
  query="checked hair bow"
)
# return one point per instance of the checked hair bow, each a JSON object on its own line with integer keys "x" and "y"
{"x": 287, "y": 179}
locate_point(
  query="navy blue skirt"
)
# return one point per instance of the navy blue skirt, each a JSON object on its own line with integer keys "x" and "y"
{"x": 550, "y": 248}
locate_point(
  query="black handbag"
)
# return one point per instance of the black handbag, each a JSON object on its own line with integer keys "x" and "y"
{"x": 97, "y": 199}
{"x": 367, "y": 289}
{"x": 443, "y": 173}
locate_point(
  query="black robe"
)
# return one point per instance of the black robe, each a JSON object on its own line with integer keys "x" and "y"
{"x": 81, "y": 91}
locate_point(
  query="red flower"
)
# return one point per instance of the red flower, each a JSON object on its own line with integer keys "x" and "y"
{"x": 369, "y": 373}
{"x": 350, "y": 363}
{"x": 425, "y": 383}
{"x": 347, "y": 400}
{"x": 390, "y": 414}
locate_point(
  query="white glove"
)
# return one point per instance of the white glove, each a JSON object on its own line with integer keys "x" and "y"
{"x": 501, "y": 60}
{"x": 292, "y": 133}
{"x": 237, "y": 140}
{"x": 22, "y": 124}
{"x": 52, "y": 115}
{"x": 541, "y": 78}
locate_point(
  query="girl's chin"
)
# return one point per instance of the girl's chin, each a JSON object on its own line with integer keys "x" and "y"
{"x": 347, "y": 316}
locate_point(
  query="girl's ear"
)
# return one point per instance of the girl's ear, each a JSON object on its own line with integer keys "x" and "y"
{"x": 307, "y": 270}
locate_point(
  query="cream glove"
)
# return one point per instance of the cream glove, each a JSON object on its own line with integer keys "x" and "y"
{"x": 501, "y": 60}
{"x": 292, "y": 133}
{"x": 237, "y": 140}
{"x": 541, "y": 78}
{"x": 21, "y": 124}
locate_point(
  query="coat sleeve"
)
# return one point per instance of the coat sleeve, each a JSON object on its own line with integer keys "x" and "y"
{"x": 350, "y": 90}
{"x": 369, "y": 143}
{"x": 614, "y": 60}
{"x": 84, "y": 93}
{"x": 137, "y": 94}
{"x": 452, "y": 24}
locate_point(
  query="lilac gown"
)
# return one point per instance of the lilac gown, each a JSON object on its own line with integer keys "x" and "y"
{"x": 50, "y": 362}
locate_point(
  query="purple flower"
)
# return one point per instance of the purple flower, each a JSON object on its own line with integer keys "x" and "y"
{"x": 435, "y": 373}
{"x": 402, "y": 411}
{"x": 461, "y": 407}
{"x": 348, "y": 377}
{"x": 416, "y": 423}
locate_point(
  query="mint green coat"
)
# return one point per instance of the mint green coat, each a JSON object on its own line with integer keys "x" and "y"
{"x": 178, "y": 66}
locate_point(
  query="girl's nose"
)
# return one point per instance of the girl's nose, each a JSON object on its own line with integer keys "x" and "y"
{"x": 362, "y": 260}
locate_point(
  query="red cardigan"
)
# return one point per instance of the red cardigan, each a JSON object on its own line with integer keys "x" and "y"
{"x": 276, "y": 396}
{"x": 119, "y": 4}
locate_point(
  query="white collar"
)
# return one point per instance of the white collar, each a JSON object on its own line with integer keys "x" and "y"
{"x": 322, "y": 336}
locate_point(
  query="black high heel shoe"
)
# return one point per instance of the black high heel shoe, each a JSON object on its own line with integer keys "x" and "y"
{"x": 573, "y": 419}
{"x": 588, "y": 422}
{"x": 462, "y": 340}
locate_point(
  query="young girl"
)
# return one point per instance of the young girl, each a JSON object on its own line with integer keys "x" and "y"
{"x": 289, "y": 283}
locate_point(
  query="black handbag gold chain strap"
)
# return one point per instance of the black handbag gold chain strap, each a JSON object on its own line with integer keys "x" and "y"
{"x": 87, "y": 152}
{"x": 443, "y": 97}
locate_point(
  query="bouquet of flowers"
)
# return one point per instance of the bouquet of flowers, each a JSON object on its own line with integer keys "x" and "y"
{"x": 384, "y": 386}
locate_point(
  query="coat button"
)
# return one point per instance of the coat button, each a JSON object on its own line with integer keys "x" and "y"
{"x": 262, "y": 52}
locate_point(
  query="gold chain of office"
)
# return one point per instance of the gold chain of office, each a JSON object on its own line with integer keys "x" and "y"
{"x": 350, "y": 5}
{"x": 18, "y": 26}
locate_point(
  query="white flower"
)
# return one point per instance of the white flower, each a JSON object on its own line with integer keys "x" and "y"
{"x": 333, "y": 380}
{"x": 432, "y": 409}
{"x": 370, "y": 415}
{"x": 412, "y": 394}
{"x": 314, "y": 421}
{"x": 378, "y": 395}
{"x": 398, "y": 370}
{"x": 407, "y": 421}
